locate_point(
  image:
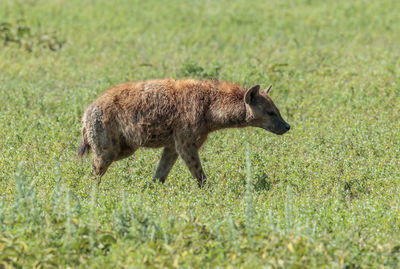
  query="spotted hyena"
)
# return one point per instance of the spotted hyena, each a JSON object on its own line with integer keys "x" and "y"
{"x": 174, "y": 114}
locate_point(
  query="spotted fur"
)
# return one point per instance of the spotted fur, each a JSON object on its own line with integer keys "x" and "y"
{"x": 174, "y": 114}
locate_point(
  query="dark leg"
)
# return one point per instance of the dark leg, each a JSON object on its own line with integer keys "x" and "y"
{"x": 168, "y": 160}
{"x": 190, "y": 154}
{"x": 100, "y": 166}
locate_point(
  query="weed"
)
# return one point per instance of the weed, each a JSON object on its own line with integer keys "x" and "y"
{"x": 193, "y": 70}
{"x": 23, "y": 36}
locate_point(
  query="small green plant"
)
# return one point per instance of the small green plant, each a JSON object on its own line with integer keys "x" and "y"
{"x": 193, "y": 70}
{"x": 250, "y": 211}
{"x": 23, "y": 36}
{"x": 27, "y": 208}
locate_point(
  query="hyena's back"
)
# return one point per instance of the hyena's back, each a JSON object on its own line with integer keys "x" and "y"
{"x": 132, "y": 115}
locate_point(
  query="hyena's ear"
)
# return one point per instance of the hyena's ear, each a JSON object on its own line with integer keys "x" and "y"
{"x": 268, "y": 89}
{"x": 252, "y": 94}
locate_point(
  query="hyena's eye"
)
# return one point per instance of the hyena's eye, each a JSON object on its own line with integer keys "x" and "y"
{"x": 271, "y": 113}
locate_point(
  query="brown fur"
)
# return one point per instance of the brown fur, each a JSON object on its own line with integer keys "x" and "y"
{"x": 174, "y": 114}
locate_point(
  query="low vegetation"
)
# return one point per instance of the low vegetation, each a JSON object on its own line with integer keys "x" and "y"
{"x": 326, "y": 194}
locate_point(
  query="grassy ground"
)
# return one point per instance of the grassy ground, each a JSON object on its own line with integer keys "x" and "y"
{"x": 326, "y": 194}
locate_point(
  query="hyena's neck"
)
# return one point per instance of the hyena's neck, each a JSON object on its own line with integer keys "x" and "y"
{"x": 228, "y": 111}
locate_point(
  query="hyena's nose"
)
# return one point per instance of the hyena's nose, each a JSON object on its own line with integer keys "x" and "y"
{"x": 287, "y": 126}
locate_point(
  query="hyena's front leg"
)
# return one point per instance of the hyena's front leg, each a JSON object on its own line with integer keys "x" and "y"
{"x": 190, "y": 154}
{"x": 168, "y": 159}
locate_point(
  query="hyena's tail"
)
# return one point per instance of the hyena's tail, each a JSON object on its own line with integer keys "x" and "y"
{"x": 84, "y": 147}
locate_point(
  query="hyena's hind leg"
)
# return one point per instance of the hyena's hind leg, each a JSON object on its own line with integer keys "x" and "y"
{"x": 99, "y": 137}
{"x": 100, "y": 165}
{"x": 105, "y": 140}
{"x": 102, "y": 161}
{"x": 166, "y": 163}
{"x": 114, "y": 151}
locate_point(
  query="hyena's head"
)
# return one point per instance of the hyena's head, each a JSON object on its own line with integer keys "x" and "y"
{"x": 264, "y": 112}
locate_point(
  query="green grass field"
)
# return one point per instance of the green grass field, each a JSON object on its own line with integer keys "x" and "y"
{"x": 324, "y": 195}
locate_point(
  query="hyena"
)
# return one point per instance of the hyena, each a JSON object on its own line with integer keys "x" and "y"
{"x": 174, "y": 114}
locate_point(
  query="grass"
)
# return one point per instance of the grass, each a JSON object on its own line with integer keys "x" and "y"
{"x": 323, "y": 195}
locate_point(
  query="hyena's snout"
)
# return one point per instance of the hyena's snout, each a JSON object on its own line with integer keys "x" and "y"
{"x": 287, "y": 126}
{"x": 282, "y": 127}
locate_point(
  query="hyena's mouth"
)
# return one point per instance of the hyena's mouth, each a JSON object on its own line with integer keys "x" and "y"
{"x": 281, "y": 130}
